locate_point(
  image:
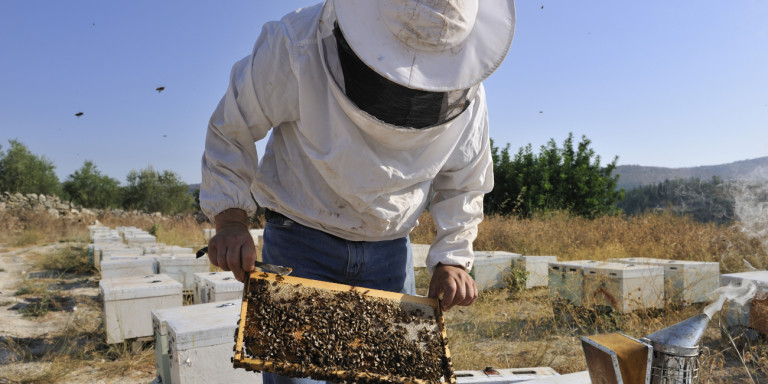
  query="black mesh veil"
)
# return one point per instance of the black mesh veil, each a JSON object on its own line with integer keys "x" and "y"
{"x": 393, "y": 103}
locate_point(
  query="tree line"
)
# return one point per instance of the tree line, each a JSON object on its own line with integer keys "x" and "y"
{"x": 147, "y": 190}
{"x": 568, "y": 177}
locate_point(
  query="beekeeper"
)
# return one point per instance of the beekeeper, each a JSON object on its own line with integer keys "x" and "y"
{"x": 377, "y": 112}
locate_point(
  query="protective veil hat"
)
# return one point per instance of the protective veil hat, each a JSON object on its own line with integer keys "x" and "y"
{"x": 430, "y": 45}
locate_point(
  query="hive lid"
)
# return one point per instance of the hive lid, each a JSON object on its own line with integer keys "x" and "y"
{"x": 118, "y": 262}
{"x": 203, "y": 325}
{"x": 623, "y": 270}
{"x": 181, "y": 259}
{"x": 133, "y": 287}
{"x": 760, "y": 278}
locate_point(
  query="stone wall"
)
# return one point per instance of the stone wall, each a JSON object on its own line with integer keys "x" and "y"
{"x": 57, "y": 207}
{"x": 41, "y": 203}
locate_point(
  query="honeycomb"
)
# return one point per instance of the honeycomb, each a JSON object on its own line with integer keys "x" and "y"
{"x": 305, "y": 328}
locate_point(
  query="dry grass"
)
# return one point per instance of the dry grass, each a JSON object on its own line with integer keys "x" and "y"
{"x": 503, "y": 328}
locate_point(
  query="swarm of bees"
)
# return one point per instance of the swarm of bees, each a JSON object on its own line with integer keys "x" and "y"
{"x": 301, "y": 331}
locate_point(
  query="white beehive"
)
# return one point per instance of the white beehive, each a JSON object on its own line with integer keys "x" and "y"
{"x": 491, "y": 268}
{"x": 257, "y": 235}
{"x": 685, "y": 282}
{"x": 159, "y": 249}
{"x": 128, "y": 303}
{"x": 623, "y": 287}
{"x": 102, "y": 252}
{"x": 199, "y": 296}
{"x": 536, "y": 267}
{"x": 201, "y": 344}
{"x": 221, "y": 287}
{"x": 754, "y": 313}
{"x": 160, "y": 318}
{"x": 182, "y": 267}
{"x": 504, "y": 375}
{"x": 123, "y": 266}
{"x": 139, "y": 239}
{"x": 93, "y": 229}
{"x": 420, "y": 252}
{"x": 566, "y": 280}
{"x": 216, "y": 286}
{"x": 106, "y": 237}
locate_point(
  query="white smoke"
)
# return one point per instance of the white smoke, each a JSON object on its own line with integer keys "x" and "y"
{"x": 751, "y": 209}
{"x": 740, "y": 294}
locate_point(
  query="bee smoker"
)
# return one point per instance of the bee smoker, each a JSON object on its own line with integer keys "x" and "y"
{"x": 676, "y": 351}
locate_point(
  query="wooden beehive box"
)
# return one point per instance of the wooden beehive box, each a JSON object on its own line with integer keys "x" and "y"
{"x": 307, "y": 328}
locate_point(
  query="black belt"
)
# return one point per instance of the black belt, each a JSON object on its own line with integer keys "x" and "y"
{"x": 270, "y": 214}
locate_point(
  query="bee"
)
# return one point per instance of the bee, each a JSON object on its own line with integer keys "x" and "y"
{"x": 160, "y": 89}
{"x": 78, "y": 114}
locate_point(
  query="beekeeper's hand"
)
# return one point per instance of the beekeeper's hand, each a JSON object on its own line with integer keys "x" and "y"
{"x": 455, "y": 285}
{"x": 232, "y": 248}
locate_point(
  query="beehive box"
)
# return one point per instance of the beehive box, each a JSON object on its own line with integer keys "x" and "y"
{"x": 504, "y": 375}
{"x": 199, "y": 296}
{"x": 257, "y": 235}
{"x": 124, "y": 266}
{"x": 685, "y": 282}
{"x": 753, "y": 315}
{"x": 420, "y": 253}
{"x": 306, "y": 328}
{"x": 200, "y": 347}
{"x": 139, "y": 238}
{"x": 106, "y": 251}
{"x": 623, "y": 287}
{"x": 566, "y": 281}
{"x": 491, "y": 268}
{"x": 161, "y": 248}
{"x": 128, "y": 303}
{"x": 182, "y": 267}
{"x": 222, "y": 286}
{"x": 536, "y": 268}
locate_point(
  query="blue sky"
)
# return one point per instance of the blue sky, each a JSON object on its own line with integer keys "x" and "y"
{"x": 660, "y": 83}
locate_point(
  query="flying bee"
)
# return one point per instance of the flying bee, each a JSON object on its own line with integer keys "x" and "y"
{"x": 78, "y": 114}
{"x": 160, "y": 89}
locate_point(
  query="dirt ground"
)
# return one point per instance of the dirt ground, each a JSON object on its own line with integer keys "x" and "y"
{"x": 28, "y": 342}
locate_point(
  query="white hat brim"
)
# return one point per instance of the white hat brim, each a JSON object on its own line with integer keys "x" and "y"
{"x": 459, "y": 67}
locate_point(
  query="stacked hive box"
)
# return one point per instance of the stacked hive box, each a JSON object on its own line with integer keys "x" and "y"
{"x": 105, "y": 251}
{"x": 420, "y": 253}
{"x": 129, "y": 301}
{"x": 124, "y": 266}
{"x": 211, "y": 287}
{"x": 535, "y": 267}
{"x": 200, "y": 344}
{"x": 751, "y": 316}
{"x": 623, "y": 287}
{"x": 491, "y": 268}
{"x": 504, "y": 375}
{"x": 566, "y": 281}
{"x": 182, "y": 267}
{"x": 685, "y": 282}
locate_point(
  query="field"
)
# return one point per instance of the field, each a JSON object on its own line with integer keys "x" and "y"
{"x": 50, "y": 317}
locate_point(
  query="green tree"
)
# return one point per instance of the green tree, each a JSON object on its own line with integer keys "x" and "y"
{"x": 557, "y": 178}
{"x": 151, "y": 191}
{"x": 23, "y": 172}
{"x": 89, "y": 188}
{"x": 704, "y": 201}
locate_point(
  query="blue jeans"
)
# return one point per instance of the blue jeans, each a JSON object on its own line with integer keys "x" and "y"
{"x": 313, "y": 254}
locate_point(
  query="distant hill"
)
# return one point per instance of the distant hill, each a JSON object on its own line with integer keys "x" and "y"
{"x": 632, "y": 176}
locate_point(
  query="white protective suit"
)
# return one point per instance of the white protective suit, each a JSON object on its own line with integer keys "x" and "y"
{"x": 329, "y": 165}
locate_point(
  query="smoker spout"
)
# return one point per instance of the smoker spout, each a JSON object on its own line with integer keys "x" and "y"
{"x": 680, "y": 339}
